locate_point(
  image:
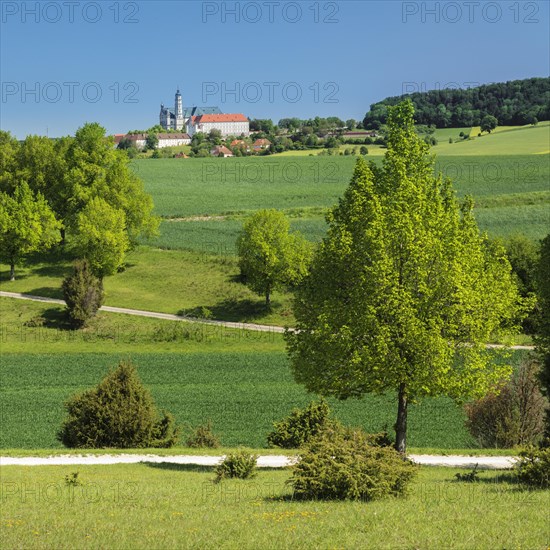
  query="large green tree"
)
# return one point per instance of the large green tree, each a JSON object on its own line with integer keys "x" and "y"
{"x": 8, "y": 153}
{"x": 403, "y": 292}
{"x": 27, "y": 224}
{"x": 269, "y": 255}
{"x": 488, "y": 123}
{"x": 101, "y": 237}
{"x": 96, "y": 169}
{"x": 41, "y": 162}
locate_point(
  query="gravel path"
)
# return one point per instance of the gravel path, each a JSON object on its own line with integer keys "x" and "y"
{"x": 153, "y": 314}
{"x": 171, "y": 317}
{"x": 266, "y": 461}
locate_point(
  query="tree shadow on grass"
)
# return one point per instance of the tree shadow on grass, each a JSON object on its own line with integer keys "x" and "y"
{"x": 173, "y": 467}
{"x": 47, "y": 292}
{"x": 56, "y": 317}
{"x": 51, "y": 270}
{"x": 239, "y": 311}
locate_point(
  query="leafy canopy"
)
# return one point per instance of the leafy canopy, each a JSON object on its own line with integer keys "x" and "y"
{"x": 403, "y": 292}
{"x": 27, "y": 224}
{"x": 269, "y": 255}
{"x": 101, "y": 236}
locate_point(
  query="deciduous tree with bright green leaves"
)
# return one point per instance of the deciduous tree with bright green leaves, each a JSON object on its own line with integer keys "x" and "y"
{"x": 403, "y": 292}
{"x": 269, "y": 255}
{"x": 488, "y": 123}
{"x": 101, "y": 237}
{"x": 95, "y": 169}
{"x": 27, "y": 224}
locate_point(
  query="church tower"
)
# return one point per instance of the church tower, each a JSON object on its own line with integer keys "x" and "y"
{"x": 178, "y": 112}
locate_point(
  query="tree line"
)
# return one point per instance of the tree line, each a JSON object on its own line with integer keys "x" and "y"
{"x": 76, "y": 190}
{"x": 512, "y": 103}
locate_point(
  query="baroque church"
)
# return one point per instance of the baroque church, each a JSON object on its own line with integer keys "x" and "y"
{"x": 202, "y": 119}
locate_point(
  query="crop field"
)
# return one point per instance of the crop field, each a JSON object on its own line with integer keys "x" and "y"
{"x": 208, "y": 199}
{"x": 160, "y": 505}
{"x": 242, "y": 393}
{"x": 206, "y": 187}
{"x": 213, "y": 187}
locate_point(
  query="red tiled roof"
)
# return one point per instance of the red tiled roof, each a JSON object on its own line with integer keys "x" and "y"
{"x": 236, "y": 117}
{"x": 222, "y": 149}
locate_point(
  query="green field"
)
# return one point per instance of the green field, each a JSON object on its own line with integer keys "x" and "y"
{"x": 242, "y": 389}
{"x": 242, "y": 393}
{"x": 204, "y": 202}
{"x": 520, "y": 140}
{"x": 216, "y": 187}
{"x": 171, "y": 506}
{"x": 239, "y": 379}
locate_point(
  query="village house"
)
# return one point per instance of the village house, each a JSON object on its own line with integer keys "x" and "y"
{"x": 171, "y": 139}
{"x": 261, "y": 144}
{"x": 241, "y": 144}
{"x": 221, "y": 151}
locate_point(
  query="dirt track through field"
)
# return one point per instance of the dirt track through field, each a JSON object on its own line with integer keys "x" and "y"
{"x": 171, "y": 317}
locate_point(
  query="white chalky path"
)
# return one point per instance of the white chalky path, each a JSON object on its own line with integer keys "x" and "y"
{"x": 171, "y": 317}
{"x": 266, "y": 461}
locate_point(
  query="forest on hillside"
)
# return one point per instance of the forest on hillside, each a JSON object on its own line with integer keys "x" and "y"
{"x": 517, "y": 102}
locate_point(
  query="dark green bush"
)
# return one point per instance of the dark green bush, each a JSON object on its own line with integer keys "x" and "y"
{"x": 119, "y": 412}
{"x": 533, "y": 467}
{"x": 241, "y": 465}
{"x": 514, "y": 415}
{"x": 300, "y": 426}
{"x": 202, "y": 437}
{"x": 342, "y": 464}
{"x": 83, "y": 294}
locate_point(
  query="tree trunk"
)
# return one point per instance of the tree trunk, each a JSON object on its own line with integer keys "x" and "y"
{"x": 267, "y": 298}
{"x": 12, "y": 272}
{"x": 401, "y": 424}
{"x": 62, "y": 231}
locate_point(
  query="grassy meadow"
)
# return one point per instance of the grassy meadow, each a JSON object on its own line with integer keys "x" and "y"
{"x": 151, "y": 505}
{"x": 239, "y": 379}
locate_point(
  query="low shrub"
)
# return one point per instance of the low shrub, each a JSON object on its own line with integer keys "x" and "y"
{"x": 468, "y": 477}
{"x": 203, "y": 437}
{"x": 342, "y": 464}
{"x": 514, "y": 415}
{"x": 34, "y": 322}
{"x": 300, "y": 426}
{"x": 119, "y": 412}
{"x": 240, "y": 465}
{"x": 533, "y": 467}
{"x": 73, "y": 479}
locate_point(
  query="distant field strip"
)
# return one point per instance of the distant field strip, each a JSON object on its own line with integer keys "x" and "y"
{"x": 210, "y": 197}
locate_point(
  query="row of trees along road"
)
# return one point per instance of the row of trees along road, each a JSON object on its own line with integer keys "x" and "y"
{"x": 79, "y": 188}
{"x": 404, "y": 292}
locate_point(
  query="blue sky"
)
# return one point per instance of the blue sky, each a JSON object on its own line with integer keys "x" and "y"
{"x": 66, "y": 63}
